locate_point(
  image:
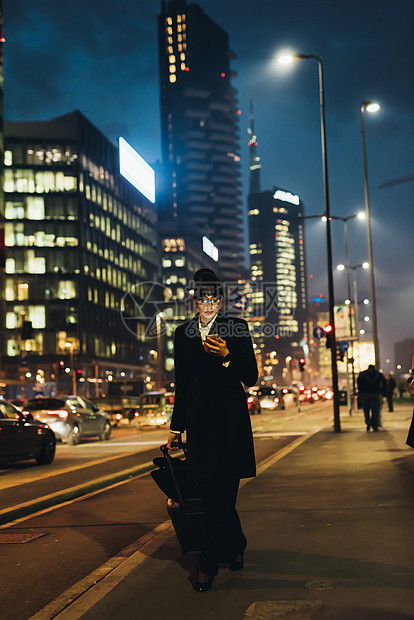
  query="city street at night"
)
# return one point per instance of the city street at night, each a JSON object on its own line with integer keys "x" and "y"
{"x": 315, "y": 516}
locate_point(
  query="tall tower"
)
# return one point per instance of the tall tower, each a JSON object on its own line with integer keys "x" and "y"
{"x": 199, "y": 129}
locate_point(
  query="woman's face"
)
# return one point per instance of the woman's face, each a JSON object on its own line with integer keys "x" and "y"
{"x": 207, "y": 307}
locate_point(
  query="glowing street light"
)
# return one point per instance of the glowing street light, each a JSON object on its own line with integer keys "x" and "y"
{"x": 287, "y": 58}
{"x": 370, "y": 106}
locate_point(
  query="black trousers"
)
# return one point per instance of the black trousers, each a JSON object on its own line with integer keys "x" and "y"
{"x": 225, "y": 538}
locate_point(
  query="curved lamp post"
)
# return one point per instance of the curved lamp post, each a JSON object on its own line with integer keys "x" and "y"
{"x": 287, "y": 59}
{"x": 370, "y": 106}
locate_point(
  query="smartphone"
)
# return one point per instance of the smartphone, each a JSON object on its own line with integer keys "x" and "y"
{"x": 213, "y": 336}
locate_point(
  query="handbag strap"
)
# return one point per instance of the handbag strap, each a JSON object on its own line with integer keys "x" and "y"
{"x": 169, "y": 460}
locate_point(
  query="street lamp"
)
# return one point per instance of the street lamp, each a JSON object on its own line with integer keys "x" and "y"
{"x": 331, "y": 298}
{"x": 370, "y": 106}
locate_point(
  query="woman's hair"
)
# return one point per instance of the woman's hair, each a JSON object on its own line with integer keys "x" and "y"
{"x": 207, "y": 283}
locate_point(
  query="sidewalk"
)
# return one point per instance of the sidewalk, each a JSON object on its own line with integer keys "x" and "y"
{"x": 330, "y": 529}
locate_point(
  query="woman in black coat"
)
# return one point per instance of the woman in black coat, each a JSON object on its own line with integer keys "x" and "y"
{"x": 213, "y": 357}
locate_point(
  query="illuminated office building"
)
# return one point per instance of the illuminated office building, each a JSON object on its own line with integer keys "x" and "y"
{"x": 277, "y": 258}
{"x": 79, "y": 236}
{"x": 199, "y": 129}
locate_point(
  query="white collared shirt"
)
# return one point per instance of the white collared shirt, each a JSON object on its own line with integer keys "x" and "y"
{"x": 205, "y": 330}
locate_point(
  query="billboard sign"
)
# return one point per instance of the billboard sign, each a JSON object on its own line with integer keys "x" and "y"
{"x": 136, "y": 170}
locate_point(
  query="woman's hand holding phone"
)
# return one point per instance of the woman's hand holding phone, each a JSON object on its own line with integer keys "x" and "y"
{"x": 215, "y": 345}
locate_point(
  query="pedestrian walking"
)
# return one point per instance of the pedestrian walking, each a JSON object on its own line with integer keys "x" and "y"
{"x": 372, "y": 387}
{"x": 213, "y": 356}
{"x": 391, "y": 385}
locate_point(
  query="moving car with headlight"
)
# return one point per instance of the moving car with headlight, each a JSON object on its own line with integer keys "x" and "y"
{"x": 71, "y": 418}
{"x": 22, "y": 437}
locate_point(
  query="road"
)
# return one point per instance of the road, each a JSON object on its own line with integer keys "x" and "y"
{"x": 50, "y": 550}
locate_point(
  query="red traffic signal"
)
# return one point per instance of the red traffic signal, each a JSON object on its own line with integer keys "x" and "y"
{"x": 328, "y": 329}
{"x": 302, "y": 363}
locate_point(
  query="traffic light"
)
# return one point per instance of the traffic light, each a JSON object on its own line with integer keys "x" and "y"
{"x": 79, "y": 373}
{"x": 61, "y": 367}
{"x": 328, "y": 333}
{"x": 302, "y": 364}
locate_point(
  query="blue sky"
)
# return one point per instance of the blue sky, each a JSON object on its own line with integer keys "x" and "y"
{"x": 101, "y": 57}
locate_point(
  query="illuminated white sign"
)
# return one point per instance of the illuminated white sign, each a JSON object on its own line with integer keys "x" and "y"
{"x": 136, "y": 170}
{"x": 210, "y": 249}
{"x": 286, "y": 197}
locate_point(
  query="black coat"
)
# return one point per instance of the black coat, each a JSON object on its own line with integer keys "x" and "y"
{"x": 210, "y": 401}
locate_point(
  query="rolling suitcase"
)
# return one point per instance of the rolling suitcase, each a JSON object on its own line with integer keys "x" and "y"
{"x": 184, "y": 505}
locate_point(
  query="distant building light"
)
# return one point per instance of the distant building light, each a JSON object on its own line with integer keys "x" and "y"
{"x": 136, "y": 170}
{"x": 286, "y": 197}
{"x": 210, "y": 249}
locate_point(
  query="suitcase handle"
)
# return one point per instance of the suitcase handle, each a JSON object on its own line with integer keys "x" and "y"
{"x": 169, "y": 459}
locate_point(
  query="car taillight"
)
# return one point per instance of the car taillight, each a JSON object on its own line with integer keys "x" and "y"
{"x": 163, "y": 413}
{"x": 118, "y": 416}
{"x": 275, "y": 400}
{"x": 25, "y": 412}
{"x": 137, "y": 414}
{"x": 250, "y": 399}
{"x": 61, "y": 413}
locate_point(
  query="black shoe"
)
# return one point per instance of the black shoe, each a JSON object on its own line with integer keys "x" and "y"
{"x": 237, "y": 563}
{"x": 203, "y": 582}
{"x": 375, "y": 430}
{"x": 368, "y": 427}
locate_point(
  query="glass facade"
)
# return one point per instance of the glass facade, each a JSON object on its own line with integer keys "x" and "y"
{"x": 199, "y": 129}
{"x": 278, "y": 274}
{"x": 78, "y": 238}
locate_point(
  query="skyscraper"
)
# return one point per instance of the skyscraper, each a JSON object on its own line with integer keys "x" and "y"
{"x": 79, "y": 238}
{"x": 199, "y": 129}
{"x": 278, "y": 272}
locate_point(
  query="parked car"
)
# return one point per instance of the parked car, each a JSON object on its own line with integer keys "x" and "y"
{"x": 253, "y": 402}
{"x": 22, "y": 437}
{"x": 71, "y": 418}
{"x": 155, "y": 409}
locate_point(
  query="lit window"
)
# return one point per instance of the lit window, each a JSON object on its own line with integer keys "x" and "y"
{"x": 173, "y": 78}
{"x": 166, "y": 262}
{"x": 66, "y": 289}
{"x": 179, "y": 37}
{"x": 169, "y": 21}
{"x": 170, "y": 40}
{"x": 169, "y": 30}
{"x": 179, "y": 262}
{"x": 179, "y": 28}
{"x": 170, "y": 49}
{"x": 11, "y": 320}
{"x": 8, "y": 158}
{"x": 172, "y": 59}
{"x": 35, "y": 208}
{"x": 179, "y": 18}
{"x": 172, "y": 69}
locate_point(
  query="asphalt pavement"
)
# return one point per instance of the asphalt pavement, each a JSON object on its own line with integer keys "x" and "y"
{"x": 329, "y": 521}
